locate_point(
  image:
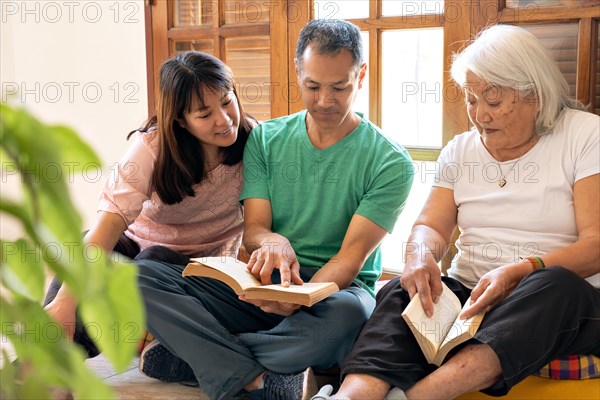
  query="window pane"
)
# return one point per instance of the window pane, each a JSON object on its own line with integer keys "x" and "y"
{"x": 561, "y": 41}
{"x": 204, "y": 45}
{"x": 249, "y": 58}
{"x": 411, "y": 7}
{"x": 394, "y": 245}
{"x": 412, "y": 86}
{"x": 341, "y": 9}
{"x": 362, "y": 98}
{"x": 193, "y": 12}
{"x": 246, "y": 12}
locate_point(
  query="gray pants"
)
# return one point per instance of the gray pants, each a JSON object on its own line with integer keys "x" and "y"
{"x": 228, "y": 342}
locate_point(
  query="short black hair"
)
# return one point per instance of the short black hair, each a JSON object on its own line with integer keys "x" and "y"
{"x": 329, "y": 36}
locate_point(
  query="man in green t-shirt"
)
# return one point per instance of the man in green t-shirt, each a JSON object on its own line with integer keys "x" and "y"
{"x": 321, "y": 190}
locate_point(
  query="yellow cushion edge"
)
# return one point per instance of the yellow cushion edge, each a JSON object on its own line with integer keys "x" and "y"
{"x": 534, "y": 387}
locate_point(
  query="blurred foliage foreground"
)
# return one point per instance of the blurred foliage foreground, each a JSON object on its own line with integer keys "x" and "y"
{"x": 104, "y": 287}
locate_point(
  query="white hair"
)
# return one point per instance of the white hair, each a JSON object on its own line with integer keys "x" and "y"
{"x": 511, "y": 57}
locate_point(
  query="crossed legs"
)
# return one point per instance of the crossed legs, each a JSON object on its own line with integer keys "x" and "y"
{"x": 461, "y": 374}
{"x": 517, "y": 337}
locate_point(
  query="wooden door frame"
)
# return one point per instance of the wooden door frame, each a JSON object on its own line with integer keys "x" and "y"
{"x": 287, "y": 17}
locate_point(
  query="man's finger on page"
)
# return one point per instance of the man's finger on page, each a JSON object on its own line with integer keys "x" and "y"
{"x": 266, "y": 271}
{"x": 295, "y": 270}
{"x": 257, "y": 267}
{"x": 285, "y": 273}
{"x": 253, "y": 257}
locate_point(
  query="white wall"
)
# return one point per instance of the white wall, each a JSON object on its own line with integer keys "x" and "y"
{"x": 79, "y": 63}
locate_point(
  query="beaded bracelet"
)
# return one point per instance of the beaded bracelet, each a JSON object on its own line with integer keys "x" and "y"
{"x": 536, "y": 262}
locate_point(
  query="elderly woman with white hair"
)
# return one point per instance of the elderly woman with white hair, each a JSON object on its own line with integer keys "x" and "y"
{"x": 522, "y": 186}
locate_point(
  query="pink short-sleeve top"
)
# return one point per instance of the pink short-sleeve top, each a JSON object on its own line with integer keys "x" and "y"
{"x": 207, "y": 224}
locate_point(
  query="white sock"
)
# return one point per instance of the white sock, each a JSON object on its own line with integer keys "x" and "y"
{"x": 324, "y": 393}
{"x": 395, "y": 394}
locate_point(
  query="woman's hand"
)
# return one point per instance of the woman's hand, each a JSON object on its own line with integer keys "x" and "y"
{"x": 494, "y": 286}
{"x": 427, "y": 243}
{"x": 62, "y": 311}
{"x": 423, "y": 276}
{"x": 273, "y": 307}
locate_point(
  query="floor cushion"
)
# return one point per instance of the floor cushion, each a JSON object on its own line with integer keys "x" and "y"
{"x": 536, "y": 387}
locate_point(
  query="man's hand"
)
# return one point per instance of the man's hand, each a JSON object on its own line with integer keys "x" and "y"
{"x": 269, "y": 257}
{"x": 273, "y": 307}
{"x": 423, "y": 277}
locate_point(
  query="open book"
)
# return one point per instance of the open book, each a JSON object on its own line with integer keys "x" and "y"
{"x": 444, "y": 331}
{"x": 234, "y": 273}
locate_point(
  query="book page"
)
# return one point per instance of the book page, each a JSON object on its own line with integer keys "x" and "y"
{"x": 444, "y": 313}
{"x": 462, "y": 326}
{"x": 232, "y": 267}
{"x": 306, "y": 294}
{"x": 461, "y": 331}
{"x": 235, "y": 274}
{"x": 307, "y": 288}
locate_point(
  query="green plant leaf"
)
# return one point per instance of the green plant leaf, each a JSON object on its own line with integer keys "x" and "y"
{"x": 22, "y": 269}
{"x": 28, "y": 142}
{"x": 119, "y": 313}
{"x": 8, "y": 378}
{"x": 16, "y": 210}
{"x": 63, "y": 221}
{"x": 34, "y": 387}
{"x": 75, "y": 155}
{"x": 46, "y": 165}
{"x": 50, "y": 361}
{"x": 35, "y": 150}
{"x": 45, "y": 157}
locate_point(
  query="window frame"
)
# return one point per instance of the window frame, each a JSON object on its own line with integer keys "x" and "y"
{"x": 283, "y": 32}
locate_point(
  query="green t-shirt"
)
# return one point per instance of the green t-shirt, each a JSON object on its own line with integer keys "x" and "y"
{"x": 314, "y": 193}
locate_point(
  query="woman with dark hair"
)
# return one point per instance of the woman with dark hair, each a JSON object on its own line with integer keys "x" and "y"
{"x": 175, "y": 192}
